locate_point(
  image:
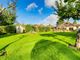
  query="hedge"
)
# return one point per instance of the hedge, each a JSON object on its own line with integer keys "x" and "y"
{"x": 2, "y": 30}
{"x": 7, "y": 29}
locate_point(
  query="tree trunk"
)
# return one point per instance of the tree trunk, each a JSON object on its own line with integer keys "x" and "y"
{"x": 77, "y": 44}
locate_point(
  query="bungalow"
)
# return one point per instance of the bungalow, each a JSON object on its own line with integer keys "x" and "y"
{"x": 68, "y": 27}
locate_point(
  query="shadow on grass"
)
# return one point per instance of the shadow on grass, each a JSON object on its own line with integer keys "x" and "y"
{"x": 11, "y": 43}
{"x": 48, "y": 50}
{"x": 66, "y": 34}
{"x": 48, "y": 35}
{"x": 6, "y": 35}
{"x": 3, "y": 49}
{"x": 69, "y": 44}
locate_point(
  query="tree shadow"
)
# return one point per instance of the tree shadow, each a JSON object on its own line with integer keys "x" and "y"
{"x": 48, "y": 50}
{"x": 69, "y": 44}
{"x": 7, "y": 35}
{"x": 3, "y": 49}
{"x": 66, "y": 34}
{"x": 48, "y": 35}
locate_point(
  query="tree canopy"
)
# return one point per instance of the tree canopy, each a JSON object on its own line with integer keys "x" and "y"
{"x": 67, "y": 9}
{"x": 8, "y": 15}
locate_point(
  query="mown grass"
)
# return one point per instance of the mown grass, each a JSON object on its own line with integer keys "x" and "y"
{"x": 48, "y": 50}
{"x": 40, "y": 46}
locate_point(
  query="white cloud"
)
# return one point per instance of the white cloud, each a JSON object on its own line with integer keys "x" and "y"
{"x": 40, "y": 10}
{"x": 31, "y": 6}
{"x": 52, "y": 3}
{"x": 51, "y": 19}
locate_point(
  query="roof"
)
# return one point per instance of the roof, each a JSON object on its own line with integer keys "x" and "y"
{"x": 68, "y": 24}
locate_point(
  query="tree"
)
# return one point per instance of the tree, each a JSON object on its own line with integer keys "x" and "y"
{"x": 8, "y": 15}
{"x": 7, "y": 18}
{"x": 71, "y": 9}
{"x": 74, "y": 9}
{"x": 60, "y": 10}
{"x": 1, "y": 10}
{"x": 29, "y": 28}
{"x": 67, "y": 9}
{"x": 60, "y": 21}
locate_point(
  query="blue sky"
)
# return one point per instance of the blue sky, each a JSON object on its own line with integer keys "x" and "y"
{"x": 32, "y": 16}
{"x": 31, "y": 11}
{"x": 35, "y": 11}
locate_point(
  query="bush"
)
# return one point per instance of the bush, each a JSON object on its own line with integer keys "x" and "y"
{"x": 29, "y": 28}
{"x": 2, "y": 30}
{"x": 47, "y": 29}
{"x": 11, "y": 29}
{"x": 37, "y": 28}
{"x": 43, "y": 29}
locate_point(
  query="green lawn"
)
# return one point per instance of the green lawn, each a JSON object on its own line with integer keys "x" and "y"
{"x": 39, "y": 46}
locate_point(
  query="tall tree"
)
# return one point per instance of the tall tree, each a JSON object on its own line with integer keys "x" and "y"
{"x": 58, "y": 9}
{"x": 67, "y": 9}
{"x": 74, "y": 9}
{"x": 8, "y": 15}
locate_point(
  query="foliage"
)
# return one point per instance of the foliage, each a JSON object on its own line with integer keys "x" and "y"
{"x": 40, "y": 28}
{"x": 29, "y": 28}
{"x": 75, "y": 22}
{"x": 36, "y": 28}
{"x": 44, "y": 29}
{"x": 7, "y": 29}
{"x": 60, "y": 21}
{"x": 2, "y": 30}
{"x": 8, "y": 15}
{"x": 68, "y": 9}
{"x": 11, "y": 29}
{"x": 7, "y": 18}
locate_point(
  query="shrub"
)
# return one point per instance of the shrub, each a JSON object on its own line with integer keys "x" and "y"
{"x": 43, "y": 29}
{"x": 36, "y": 28}
{"x": 29, "y": 28}
{"x": 2, "y": 30}
{"x": 11, "y": 29}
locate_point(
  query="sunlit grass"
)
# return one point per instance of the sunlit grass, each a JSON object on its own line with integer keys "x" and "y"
{"x": 22, "y": 48}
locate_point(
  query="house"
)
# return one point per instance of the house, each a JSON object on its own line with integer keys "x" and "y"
{"x": 67, "y": 26}
{"x": 20, "y": 29}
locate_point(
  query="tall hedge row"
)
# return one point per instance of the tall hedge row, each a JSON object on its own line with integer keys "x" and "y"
{"x": 28, "y": 28}
{"x": 11, "y": 29}
{"x": 7, "y": 29}
{"x": 2, "y": 29}
{"x": 41, "y": 28}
